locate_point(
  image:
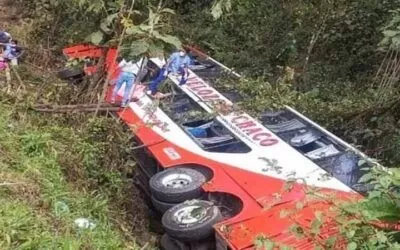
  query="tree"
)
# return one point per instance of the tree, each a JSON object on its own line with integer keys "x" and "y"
{"x": 136, "y": 30}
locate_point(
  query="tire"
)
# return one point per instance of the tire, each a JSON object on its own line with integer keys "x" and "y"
{"x": 168, "y": 243}
{"x": 161, "y": 206}
{"x": 198, "y": 224}
{"x": 176, "y": 185}
{"x": 206, "y": 244}
{"x": 68, "y": 73}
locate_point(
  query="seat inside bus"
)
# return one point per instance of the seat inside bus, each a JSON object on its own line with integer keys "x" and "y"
{"x": 213, "y": 136}
{"x": 208, "y": 132}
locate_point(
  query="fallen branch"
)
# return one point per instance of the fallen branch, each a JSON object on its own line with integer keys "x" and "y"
{"x": 11, "y": 183}
{"x": 145, "y": 246}
{"x": 89, "y": 105}
{"x": 21, "y": 83}
{"x": 75, "y": 110}
{"x": 147, "y": 145}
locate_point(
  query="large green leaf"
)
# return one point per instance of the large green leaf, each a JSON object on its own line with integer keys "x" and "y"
{"x": 105, "y": 24}
{"x": 167, "y": 10}
{"x": 168, "y": 39}
{"x": 134, "y": 30}
{"x": 171, "y": 40}
{"x": 396, "y": 42}
{"x": 138, "y": 47}
{"x": 156, "y": 50}
{"x": 145, "y": 27}
{"x": 95, "y": 38}
{"x": 216, "y": 10}
{"x": 391, "y": 33}
{"x": 110, "y": 18}
{"x": 228, "y": 5}
{"x": 104, "y": 28}
{"x": 352, "y": 246}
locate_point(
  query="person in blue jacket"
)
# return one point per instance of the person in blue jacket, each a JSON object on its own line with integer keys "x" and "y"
{"x": 177, "y": 64}
{"x": 13, "y": 51}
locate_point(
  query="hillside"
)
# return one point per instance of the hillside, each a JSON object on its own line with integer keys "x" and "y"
{"x": 335, "y": 61}
{"x": 55, "y": 170}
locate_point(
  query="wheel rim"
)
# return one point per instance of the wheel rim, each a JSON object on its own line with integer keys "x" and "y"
{"x": 176, "y": 180}
{"x": 190, "y": 214}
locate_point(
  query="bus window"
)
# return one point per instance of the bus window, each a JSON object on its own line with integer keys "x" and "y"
{"x": 345, "y": 167}
{"x": 214, "y": 137}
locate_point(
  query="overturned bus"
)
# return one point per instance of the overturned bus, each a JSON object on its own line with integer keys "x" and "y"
{"x": 218, "y": 176}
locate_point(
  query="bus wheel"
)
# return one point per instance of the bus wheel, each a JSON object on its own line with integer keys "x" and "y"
{"x": 168, "y": 243}
{"x": 176, "y": 185}
{"x": 161, "y": 206}
{"x": 192, "y": 220}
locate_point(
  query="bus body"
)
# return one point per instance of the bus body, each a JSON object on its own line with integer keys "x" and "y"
{"x": 256, "y": 168}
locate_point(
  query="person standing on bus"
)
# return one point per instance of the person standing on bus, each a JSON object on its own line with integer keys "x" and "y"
{"x": 127, "y": 76}
{"x": 177, "y": 64}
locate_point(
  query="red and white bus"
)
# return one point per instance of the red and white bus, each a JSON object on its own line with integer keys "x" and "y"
{"x": 218, "y": 176}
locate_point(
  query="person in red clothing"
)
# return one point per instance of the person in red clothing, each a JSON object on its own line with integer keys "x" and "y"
{"x": 4, "y": 65}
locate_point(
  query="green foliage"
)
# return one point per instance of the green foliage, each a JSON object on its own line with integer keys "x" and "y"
{"x": 370, "y": 224}
{"x": 53, "y": 173}
{"x": 264, "y": 243}
{"x": 391, "y": 32}
{"x": 139, "y": 29}
{"x": 219, "y": 7}
{"x": 95, "y": 38}
{"x": 331, "y": 45}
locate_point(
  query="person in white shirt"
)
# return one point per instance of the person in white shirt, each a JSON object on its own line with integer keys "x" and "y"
{"x": 127, "y": 76}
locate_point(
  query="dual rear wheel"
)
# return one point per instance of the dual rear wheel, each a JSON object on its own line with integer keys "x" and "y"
{"x": 177, "y": 194}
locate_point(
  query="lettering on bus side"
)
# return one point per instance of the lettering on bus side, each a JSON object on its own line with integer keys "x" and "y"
{"x": 251, "y": 129}
{"x": 153, "y": 119}
{"x": 203, "y": 90}
{"x": 245, "y": 123}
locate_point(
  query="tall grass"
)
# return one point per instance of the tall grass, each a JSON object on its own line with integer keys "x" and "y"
{"x": 55, "y": 170}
